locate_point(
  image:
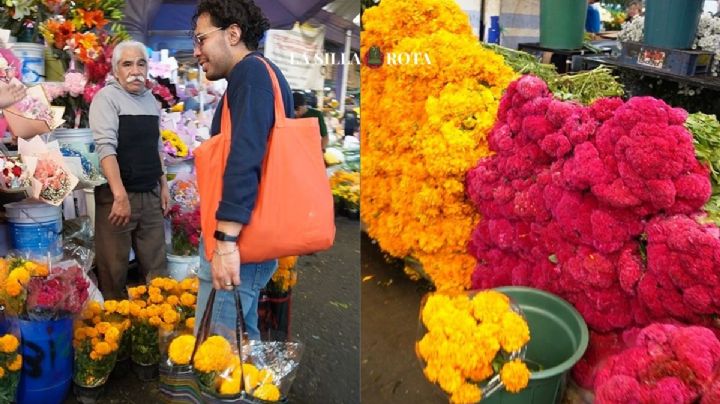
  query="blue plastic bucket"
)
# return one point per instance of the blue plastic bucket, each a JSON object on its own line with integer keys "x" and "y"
{"x": 35, "y": 228}
{"x": 32, "y": 59}
{"x": 47, "y": 361}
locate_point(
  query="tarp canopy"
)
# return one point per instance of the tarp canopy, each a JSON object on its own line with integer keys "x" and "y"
{"x": 173, "y": 18}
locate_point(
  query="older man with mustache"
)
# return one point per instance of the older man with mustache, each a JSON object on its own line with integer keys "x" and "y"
{"x": 125, "y": 120}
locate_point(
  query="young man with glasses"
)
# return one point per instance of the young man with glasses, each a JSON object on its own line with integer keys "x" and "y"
{"x": 226, "y": 34}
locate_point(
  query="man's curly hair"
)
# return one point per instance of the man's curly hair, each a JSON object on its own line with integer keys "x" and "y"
{"x": 244, "y": 13}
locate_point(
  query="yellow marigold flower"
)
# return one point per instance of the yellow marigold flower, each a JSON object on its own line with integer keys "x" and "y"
{"x": 13, "y": 287}
{"x": 490, "y": 305}
{"x": 91, "y": 332}
{"x": 514, "y": 333}
{"x": 9, "y": 343}
{"x": 450, "y": 380}
{"x": 466, "y": 394}
{"x": 230, "y": 385}
{"x": 16, "y": 364}
{"x": 94, "y": 355}
{"x": 187, "y": 299}
{"x": 154, "y": 290}
{"x": 112, "y": 334}
{"x": 94, "y": 341}
{"x": 251, "y": 375}
{"x": 134, "y": 309}
{"x": 190, "y": 322}
{"x": 173, "y": 300}
{"x": 171, "y": 317}
{"x": 181, "y": 349}
{"x": 103, "y": 327}
{"x": 480, "y": 372}
{"x": 154, "y": 321}
{"x": 515, "y": 375}
{"x": 96, "y": 320}
{"x": 157, "y": 283}
{"x": 21, "y": 274}
{"x": 110, "y": 306}
{"x": 102, "y": 348}
{"x": 154, "y": 310}
{"x": 2, "y": 372}
{"x": 94, "y": 307}
{"x": 156, "y": 298}
{"x": 113, "y": 346}
{"x": 123, "y": 307}
{"x": 79, "y": 334}
{"x": 268, "y": 392}
{"x": 214, "y": 354}
{"x": 266, "y": 376}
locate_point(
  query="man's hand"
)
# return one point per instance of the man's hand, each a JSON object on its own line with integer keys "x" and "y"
{"x": 11, "y": 92}
{"x": 120, "y": 212}
{"x": 225, "y": 266}
{"x": 164, "y": 198}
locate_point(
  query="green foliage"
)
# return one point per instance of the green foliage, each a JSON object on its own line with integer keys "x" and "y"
{"x": 706, "y": 139}
{"x": 145, "y": 349}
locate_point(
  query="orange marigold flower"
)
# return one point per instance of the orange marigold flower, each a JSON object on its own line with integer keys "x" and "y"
{"x": 515, "y": 375}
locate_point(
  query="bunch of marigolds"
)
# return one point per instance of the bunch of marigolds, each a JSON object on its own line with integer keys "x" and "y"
{"x": 164, "y": 305}
{"x": 10, "y": 365}
{"x": 466, "y": 337}
{"x": 97, "y": 342}
{"x": 428, "y": 125}
{"x": 15, "y": 273}
{"x": 218, "y": 367}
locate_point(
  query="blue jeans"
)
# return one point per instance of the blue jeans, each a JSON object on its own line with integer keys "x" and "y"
{"x": 253, "y": 277}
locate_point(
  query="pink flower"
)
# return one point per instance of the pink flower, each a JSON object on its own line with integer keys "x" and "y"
{"x": 75, "y": 83}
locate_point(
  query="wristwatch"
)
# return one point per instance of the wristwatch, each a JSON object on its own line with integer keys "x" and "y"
{"x": 224, "y": 237}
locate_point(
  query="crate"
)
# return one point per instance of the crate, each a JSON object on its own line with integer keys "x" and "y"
{"x": 677, "y": 61}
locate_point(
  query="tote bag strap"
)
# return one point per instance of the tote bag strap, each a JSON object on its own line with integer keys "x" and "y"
{"x": 279, "y": 106}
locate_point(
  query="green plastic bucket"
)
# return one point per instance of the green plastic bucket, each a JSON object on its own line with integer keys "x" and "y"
{"x": 671, "y": 23}
{"x": 558, "y": 339}
{"x": 562, "y": 23}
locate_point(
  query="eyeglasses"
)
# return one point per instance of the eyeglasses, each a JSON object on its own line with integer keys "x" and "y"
{"x": 199, "y": 38}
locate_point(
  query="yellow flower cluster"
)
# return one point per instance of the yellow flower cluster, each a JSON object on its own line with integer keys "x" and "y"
{"x": 181, "y": 349}
{"x": 213, "y": 355}
{"x": 346, "y": 185}
{"x": 257, "y": 382}
{"x": 465, "y": 335}
{"x": 165, "y": 303}
{"x": 285, "y": 277}
{"x": 10, "y": 359}
{"x": 426, "y": 126}
{"x": 15, "y": 274}
{"x": 171, "y": 138}
{"x": 9, "y": 343}
{"x": 103, "y": 337}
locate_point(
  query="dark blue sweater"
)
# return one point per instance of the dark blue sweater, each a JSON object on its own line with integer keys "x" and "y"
{"x": 251, "y": 102}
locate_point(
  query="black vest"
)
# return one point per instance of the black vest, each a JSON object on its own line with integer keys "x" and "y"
{"x": 137, "y": 152}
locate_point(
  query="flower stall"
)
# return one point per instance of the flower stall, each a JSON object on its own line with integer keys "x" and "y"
{"x": 607, "y": 203}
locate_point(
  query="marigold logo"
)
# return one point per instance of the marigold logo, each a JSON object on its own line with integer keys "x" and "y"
{"x": 374, "y": 57}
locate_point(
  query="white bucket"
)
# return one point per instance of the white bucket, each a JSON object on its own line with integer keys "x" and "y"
{"x": 80, "y": 140}
{"x": 32, "y": 59}
{"x": 35, "y": 228}
{"x": 90, "y": 204}
{"x": 181, "y": 267}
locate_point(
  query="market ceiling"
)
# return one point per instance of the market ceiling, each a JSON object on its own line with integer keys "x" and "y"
{"x": 143, "y": 16}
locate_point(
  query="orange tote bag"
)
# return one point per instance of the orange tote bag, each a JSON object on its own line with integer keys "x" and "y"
{"x": 293, "y": 214}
